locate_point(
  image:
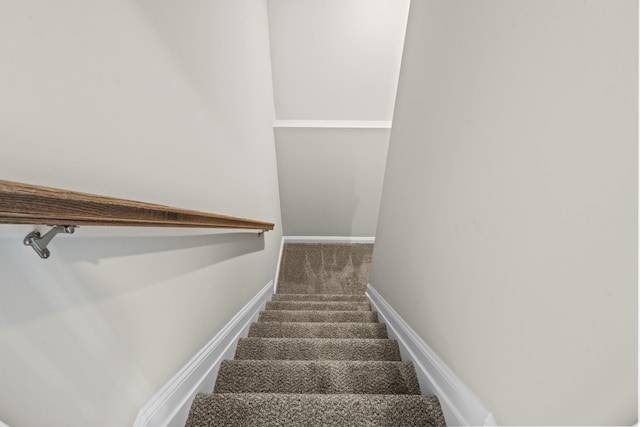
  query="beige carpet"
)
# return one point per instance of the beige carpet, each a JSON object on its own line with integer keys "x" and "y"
{"x": 317, "y": 355}
{"x": 316, "y": 268}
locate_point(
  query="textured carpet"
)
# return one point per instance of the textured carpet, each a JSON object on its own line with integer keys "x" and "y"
{"x": 275, "y": 409}
{"x": 319, "y": 305}
{"x": 317, "y": 355}
{"x": 319, "y": 297}
{"x": 325, "y": 377}
{"x": 317, "y": 330}
{"x": 317, "y": 348}
{"x": 316, "y": 268}
{"x": 317, "y": 316}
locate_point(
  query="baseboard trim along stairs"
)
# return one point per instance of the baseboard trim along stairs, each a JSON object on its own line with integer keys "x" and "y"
{"x": 170, "y": 406}
{"x": 460, "y": 405}
{"x": 320, "y": 316}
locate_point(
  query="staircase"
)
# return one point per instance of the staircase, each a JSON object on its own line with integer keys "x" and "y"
{"x": 317, "y": 355}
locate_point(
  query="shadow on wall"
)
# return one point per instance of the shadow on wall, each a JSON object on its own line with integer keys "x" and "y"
{"x": 73, "y": 277}
{"x": 321, "y": 180}
{"x": 340, "y": 199}
{"x": 95, "y": 249}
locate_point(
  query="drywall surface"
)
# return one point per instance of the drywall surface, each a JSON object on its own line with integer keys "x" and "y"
{"x": 336, "y": 59}
{"x": 508, "y": 223}
{"x": 159, "y": 101}
{"x": 330, "y": 180}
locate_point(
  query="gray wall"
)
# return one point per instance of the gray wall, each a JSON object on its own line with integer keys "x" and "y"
{"x": 331, "y": 180}
{"x": 159, "y": 101}
{"x": 507, "y": 234}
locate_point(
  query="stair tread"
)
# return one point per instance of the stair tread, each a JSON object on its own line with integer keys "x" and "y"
{"x": 317, "y": 355}
{"x": 319, "y": 297}
{"x": 321, "y": 288}
{"x": 316, "y": 376}
{"x": 317, "y": 316}
{"x": 318, "y": 305}
{"x": 317, "y": 348}
{"x": 275, "y": 409}
{"x": 318, "y": 330}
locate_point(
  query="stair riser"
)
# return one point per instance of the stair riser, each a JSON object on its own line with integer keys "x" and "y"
{"x": 318, "y": 316}
{"x": 316, "y": 349}
{"x": 273, "y": 409}
{"x": 324, "y": 288}
{"x": 317, "y": 330}
{"x": 323, "y": 306}
{"x": 316, "y": 377}
{"x": 319, "y": 297}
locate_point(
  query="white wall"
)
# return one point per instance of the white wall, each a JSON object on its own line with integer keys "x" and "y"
{"x": 336, "y": 59}
{"x": 160, "y": 101}
{"x": 331, "y": 180}
{"x": 507, "y": 235}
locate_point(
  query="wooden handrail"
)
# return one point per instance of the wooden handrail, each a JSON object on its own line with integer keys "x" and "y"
{"x": 31, "y": 204}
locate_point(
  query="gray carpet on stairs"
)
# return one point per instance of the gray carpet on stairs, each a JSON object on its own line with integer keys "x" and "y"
{"x": 320, "y": 268}
{"x": 314, "y": 376}
{"x": 317, "y": 316}
{"x": 317, "y": 355}
{"x": 317, "y": 330}
{"x": 319, "y": 297}
{"x": 319, "y": 305}
{"x": 317, "y": 348}
{"x": 353, "y": 410}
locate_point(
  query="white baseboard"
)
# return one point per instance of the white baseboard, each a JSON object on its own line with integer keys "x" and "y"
{"x": 328, "y": 239}
{"x": 460, "y": 405}
{"x": 170, "y": 406}
{"x": 275, "y": 286}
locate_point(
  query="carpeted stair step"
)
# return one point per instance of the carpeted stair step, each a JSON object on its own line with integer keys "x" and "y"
{"x": 324, "y": 268}
{"x": 317, "y": 316}
{"x": 325, "y": 377}
{"x": 317, "y": 355}
{"x": 317, "y": 349}
{"x": 323, "y": 288}
{"x": 273, "y": 409}
{"x": 319, "y": 297}
{"x": 317, "y": 330}
{"x": 319, "y": 305}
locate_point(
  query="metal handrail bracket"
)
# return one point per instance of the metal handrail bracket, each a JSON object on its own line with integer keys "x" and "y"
{"x": 39, "y": 243}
